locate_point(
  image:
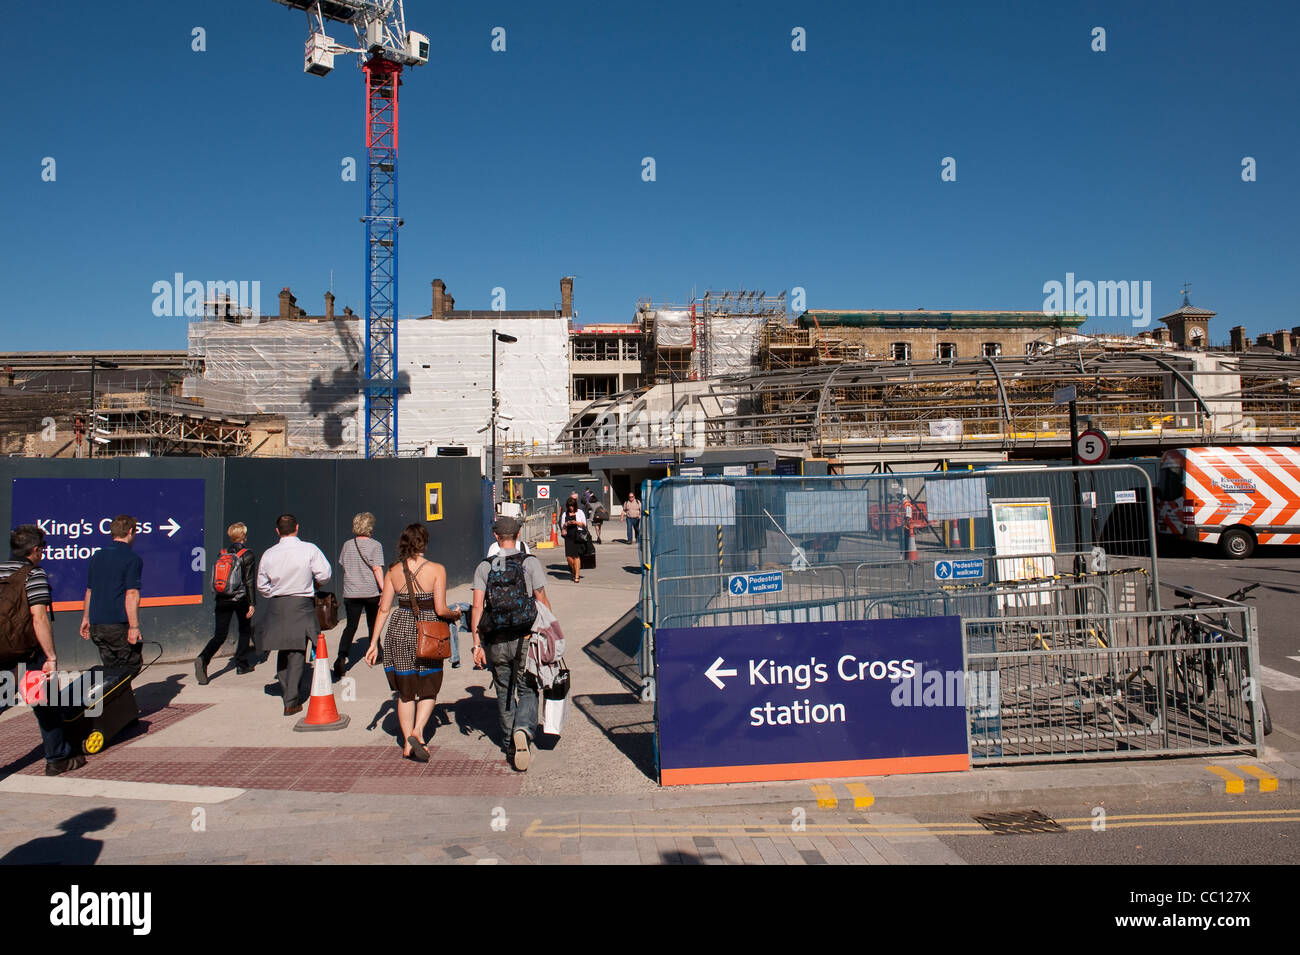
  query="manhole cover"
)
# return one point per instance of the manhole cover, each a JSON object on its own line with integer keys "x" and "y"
{"x": 1015, "y": 823}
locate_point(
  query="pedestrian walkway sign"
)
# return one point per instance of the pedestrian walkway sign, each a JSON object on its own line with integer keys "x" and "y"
{"x": 768, "y": 582}
{"x": 968, "y": 569}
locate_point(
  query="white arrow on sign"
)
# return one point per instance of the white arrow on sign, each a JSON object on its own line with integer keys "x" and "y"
{"x": 716, "y": 671}
{"x": 171, "y": 527}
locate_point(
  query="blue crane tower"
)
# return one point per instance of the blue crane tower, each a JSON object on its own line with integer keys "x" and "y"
{"x": 384, "y": 48}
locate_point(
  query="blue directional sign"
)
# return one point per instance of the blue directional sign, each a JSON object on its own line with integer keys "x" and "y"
{"x": 767, "y": 582}
{"x": 76, "y": 514}
{"x": 810, "y": 700}
{"x": 971, "y": 568}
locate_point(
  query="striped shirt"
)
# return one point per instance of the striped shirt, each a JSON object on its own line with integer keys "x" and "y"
{"x": 358, "y": 579}
{"x": 38, "y": 584}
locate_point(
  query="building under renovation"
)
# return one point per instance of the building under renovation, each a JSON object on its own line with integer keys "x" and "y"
{"x": 308, "y": 369}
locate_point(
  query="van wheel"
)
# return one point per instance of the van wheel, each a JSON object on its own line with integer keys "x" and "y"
{"x": 1237, "y": 544}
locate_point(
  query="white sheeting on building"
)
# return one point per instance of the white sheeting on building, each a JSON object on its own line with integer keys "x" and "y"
{"x": 310, "y": 372}
{"x": 306, "y": 371}
{"x": 733, "y": 344}
{"x": 450, "y": 368}
{"x": 673, "y": 329}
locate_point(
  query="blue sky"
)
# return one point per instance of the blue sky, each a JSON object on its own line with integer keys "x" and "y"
{"x": 774, "y": 168}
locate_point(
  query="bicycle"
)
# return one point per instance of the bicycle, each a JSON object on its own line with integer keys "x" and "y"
{"x": 1198, "y": 671}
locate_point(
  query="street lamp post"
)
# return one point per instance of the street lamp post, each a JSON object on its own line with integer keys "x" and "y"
{"x": 496, "y": 404}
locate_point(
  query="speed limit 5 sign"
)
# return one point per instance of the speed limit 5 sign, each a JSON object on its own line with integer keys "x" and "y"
{"x": 1092, "y": 447}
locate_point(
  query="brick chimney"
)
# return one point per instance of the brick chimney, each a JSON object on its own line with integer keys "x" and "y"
{"x": 1282, "y": 342}
{"x": 287, "y": 302}
{"x": 439, "y": 298}
{"x": 566, "y": 297}
{"x": 1238, "y": 336}
{"x": 449, "y": 306}
{"x": 329, "y": 306}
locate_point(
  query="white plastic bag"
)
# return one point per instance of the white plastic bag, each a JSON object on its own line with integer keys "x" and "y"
{"x": 553, "y": 712}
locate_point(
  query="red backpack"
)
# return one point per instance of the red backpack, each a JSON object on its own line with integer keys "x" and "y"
{"x": 227, "y": 577}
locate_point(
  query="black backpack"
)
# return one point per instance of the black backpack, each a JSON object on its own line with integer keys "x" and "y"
{"x": 508, "y": 604}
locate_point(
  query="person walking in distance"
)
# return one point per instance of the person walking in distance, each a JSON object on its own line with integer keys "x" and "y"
{"x": 234, "y": 581}
{"x": 573, "y": 525}
{"x": 27, "y": 548}
{"x": 362, "y": 562}
{"x": 632, "y": 517}
{"x": 112, "y": 610}
{"x": 287, "y": 577}
{"x": 507, "y": 589}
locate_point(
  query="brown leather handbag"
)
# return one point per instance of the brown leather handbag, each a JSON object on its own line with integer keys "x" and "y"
{"x": 434, "y": 643}
{"x": 327, "y": 610}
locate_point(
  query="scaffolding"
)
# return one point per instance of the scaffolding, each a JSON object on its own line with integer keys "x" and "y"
{"x": 1147, "y": 399}
{"x": 721, "y": 334}
{"x": 145, "y": 424}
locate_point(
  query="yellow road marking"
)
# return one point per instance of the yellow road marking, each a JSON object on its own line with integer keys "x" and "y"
{"x": 1232, "y": 783}
{"x": 862, "y": 796}
{"x": 1267, "y": 781}
{"x": 826, "y": 798}
{"x": 900, "y": 830}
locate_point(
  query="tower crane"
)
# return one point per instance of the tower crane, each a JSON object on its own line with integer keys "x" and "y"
{"x": 384, "y": 47}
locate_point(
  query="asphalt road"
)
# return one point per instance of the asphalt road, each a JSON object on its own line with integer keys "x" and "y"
{"x": 1277, "y": 570}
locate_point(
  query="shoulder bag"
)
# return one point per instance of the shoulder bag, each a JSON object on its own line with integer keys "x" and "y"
{"x": 434, "y": 641}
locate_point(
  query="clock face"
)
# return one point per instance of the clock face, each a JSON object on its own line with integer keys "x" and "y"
{"x": 1195, "y": 333}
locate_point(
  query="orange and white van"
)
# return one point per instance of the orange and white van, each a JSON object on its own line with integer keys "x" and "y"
{"x": 1235, "y": 497}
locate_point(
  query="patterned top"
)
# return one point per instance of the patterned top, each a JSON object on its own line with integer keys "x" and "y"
{"x": 358, "y": 579}
{"x": 38, "y": 583}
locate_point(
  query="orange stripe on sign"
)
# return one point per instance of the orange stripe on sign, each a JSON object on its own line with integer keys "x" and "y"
{"x": 65, "y": 605}
{"x": 771, "y": 772}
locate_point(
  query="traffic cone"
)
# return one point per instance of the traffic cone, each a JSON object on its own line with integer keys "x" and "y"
{"x": 322, "y": 713}
{"x": 910, "y": 543}
{"x": 955, "y": 543}
{"x": 555, "y": 532}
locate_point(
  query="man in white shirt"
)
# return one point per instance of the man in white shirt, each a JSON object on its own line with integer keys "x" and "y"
{"x": 288, "y": 577}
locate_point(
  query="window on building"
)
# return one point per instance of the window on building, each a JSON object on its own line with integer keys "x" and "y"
{"x": 945, "y": 350}
{"x": 992, "y": 349}
{"x": 584, "y": 349}
{"x": 631, "y": 349}
{"x": 591, "y": 387}
{"x": 901, "y": 351}
{"x": 607, "y": 349}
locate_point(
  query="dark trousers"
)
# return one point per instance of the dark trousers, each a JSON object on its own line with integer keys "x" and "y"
{"x": 114, "y": 652}
{"x": 290, "y": 665}
{"x": 353, "y": 606}
{"x": 516, "y": 700}
{"x": 48, "y": 718}
{"x": 226, "y": 609}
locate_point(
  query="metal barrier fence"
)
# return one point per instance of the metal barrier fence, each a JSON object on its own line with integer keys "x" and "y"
{"x": 537, "y": 523}
{"x": 1069, "y": 653}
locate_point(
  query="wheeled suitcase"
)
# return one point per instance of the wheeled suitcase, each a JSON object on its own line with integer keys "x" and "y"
{"x": 101, "y": 705}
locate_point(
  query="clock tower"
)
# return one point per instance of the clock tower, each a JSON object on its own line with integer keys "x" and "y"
{"x": 1189, "y": 326}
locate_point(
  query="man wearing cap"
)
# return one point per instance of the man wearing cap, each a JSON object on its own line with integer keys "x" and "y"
{"x": 515, "y": 581}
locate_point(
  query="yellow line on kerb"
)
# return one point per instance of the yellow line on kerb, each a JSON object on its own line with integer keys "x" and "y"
{"x": 862, "y": 796}
{"x": 826, "y": 798}
{"x": 1232, "y": 783}
{"x": 1267, "y": 781}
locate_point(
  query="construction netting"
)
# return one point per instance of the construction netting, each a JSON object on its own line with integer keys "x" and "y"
{"x": 310, "y": 372}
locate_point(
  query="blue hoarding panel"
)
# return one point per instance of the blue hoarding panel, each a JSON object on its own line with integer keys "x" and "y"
{"x": 809, "y": 700}
{"x": 76, "y": 513}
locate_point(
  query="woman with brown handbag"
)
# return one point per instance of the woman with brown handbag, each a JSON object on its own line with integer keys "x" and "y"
{"x": 419, "y": 587}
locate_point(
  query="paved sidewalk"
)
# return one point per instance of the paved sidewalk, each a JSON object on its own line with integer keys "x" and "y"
{"x": 215, "y": 774}
{"x": 232, "y": 732}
